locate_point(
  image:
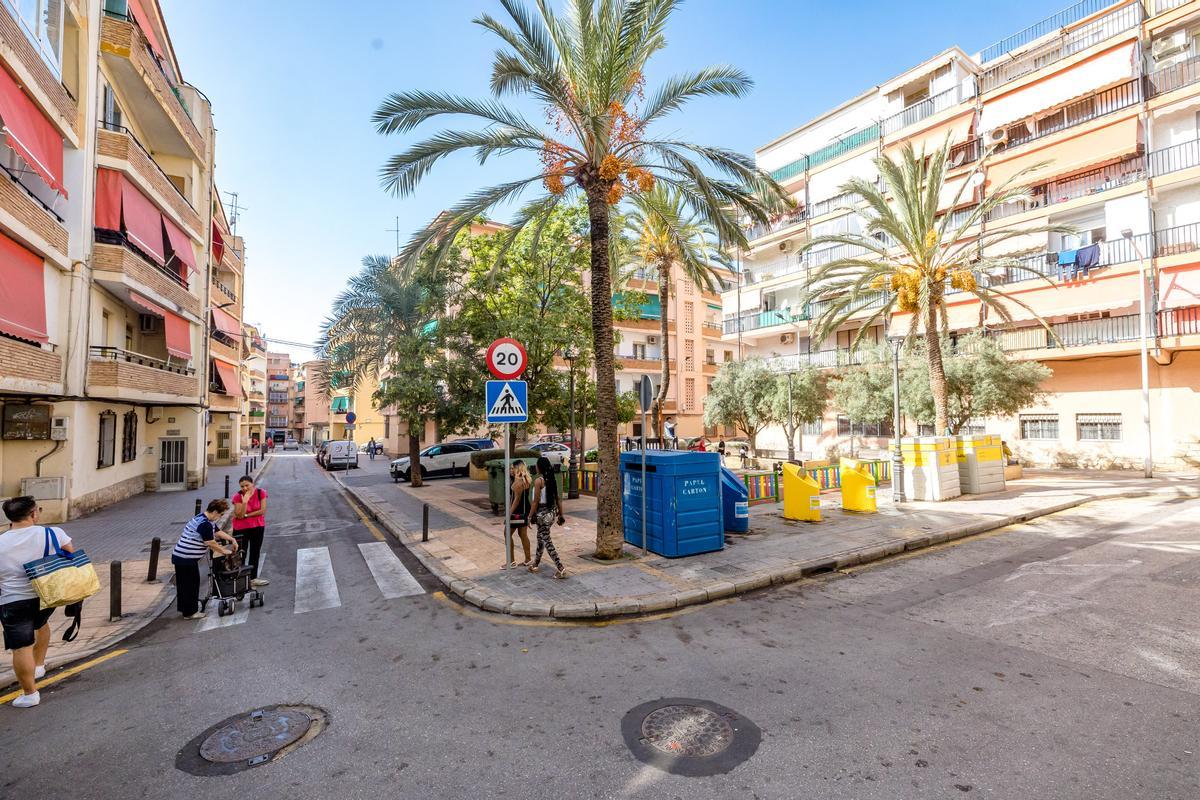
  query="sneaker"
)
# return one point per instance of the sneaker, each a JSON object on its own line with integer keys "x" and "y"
{"x": 260, "y": 582}
{"x": 197, "y": 615}
{"x": 27, "y": 700}
{"x": 39, "y": 672}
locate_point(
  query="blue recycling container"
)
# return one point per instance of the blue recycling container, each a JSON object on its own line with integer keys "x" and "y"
{"x": 735, "y": 498}
{"x": 683, "y": 501}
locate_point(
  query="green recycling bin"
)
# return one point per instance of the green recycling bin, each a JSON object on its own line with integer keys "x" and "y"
{"x": 495, "y": 470}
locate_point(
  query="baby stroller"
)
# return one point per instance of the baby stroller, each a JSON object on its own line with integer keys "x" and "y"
{"x": 230, "y": 582}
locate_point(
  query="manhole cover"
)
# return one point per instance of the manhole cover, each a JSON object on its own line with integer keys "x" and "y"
{"x": 687, "y": 731}
{"x": 251, "y": 739}
{"x": 689, "y": 737}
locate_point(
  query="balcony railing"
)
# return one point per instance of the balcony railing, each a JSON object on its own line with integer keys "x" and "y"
{"x": 753, "y": 320}
{"x": 1092, "y": 107}
{"x": 788, "y": 266}
{"x": 758, "y": 230}
{"x": 712, "y": 328}
{"x": 1174, "y": 158}
{"x": 105, "y": 236}
{"x": 1173, "y": 77}
{"x": 98, "y": 353}
{"x": 965, "y": 153}
{"x": 926, "y": 108}
{"x": 1074, "y": 42}
{"x": 1113, "y": 176}
{"x": 228, "y": 292}
{"x": 846, "y": 144}
{"x": 110, "y": 126}
{"x": 1165, "y": 5}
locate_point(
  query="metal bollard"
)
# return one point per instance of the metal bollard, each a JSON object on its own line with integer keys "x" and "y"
{"x": 155, "y": 546}
{"x": 425, "y": 522}
{"x": 198, "y": 506}
{"x": 114, "y": 591}
{"x": 226, "y": 487}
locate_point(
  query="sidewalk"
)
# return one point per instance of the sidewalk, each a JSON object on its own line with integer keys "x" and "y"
{"x": 465, "y": 551}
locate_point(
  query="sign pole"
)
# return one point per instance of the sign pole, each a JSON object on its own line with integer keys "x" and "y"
{"x": 644, "y": 484}
{"x": 507, "y": 494}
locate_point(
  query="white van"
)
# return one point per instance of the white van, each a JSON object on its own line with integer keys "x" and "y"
{"x": 341, "y": 454}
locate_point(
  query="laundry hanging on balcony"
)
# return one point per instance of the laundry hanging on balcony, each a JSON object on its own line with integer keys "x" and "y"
{"x": 29, "y": 133}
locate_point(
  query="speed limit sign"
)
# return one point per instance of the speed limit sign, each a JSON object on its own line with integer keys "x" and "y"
{"x": 506, "y": 358}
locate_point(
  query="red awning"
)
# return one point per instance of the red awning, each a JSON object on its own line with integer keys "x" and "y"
{"x": 226, "y": 324}
{"x": 31, "y": 134}
{"x": 22, "y": 292}
{"x": 149, "y": 305}
{"x": 177, "y": 329}
{"x": 143, "y": 222}
{"x": 181, "y": 245}
{"x": 218, "y": 243}
{"x": 143, "y": 21}
{"x": 228, "y": 374}
{"x": 108, "y": 199}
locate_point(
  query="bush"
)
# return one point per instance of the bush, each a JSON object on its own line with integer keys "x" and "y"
{"x": 480, "y": 458}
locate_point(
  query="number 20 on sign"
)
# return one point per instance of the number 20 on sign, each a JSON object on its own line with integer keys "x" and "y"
{"x": 506, "y": 358}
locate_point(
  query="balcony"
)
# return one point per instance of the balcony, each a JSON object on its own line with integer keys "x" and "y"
{"x": 117, "y": 144}
{"x": 754, "y": 320}
{"x": 820, "y": 359}
{"x": 711, "y": 329}
{"x": 152, "y": 97}
{"x": 1084, "y": 184}
{"x": 1165, "y": 5}
{"x": 224, "y": 348}
{"x": 119, "y": 374}
{"x": 120, "y": 265}
{"x": 259, "y": 414}
{"x": 643, "y": 362}
{"x": 1094, "y": 106}
{"x": 29, "y": 367}
{"x": 1176, "y": 76}
{"x": 926, "y": 108}
{"x": 846, "y": 144}
{"x": 224, "y": 293}
{"x": 784, "y": 221}
{"x": 1068, "y": 44}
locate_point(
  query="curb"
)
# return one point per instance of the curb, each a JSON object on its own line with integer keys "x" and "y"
{"x": 482, "y": 597}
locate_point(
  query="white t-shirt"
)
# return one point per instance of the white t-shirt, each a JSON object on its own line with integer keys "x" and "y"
{"x": 17, "y": 548}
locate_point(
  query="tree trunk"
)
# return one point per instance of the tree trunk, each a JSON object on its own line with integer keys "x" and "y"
{"x": 664, "y": 380}
{"x": 937, "y": 372}
{"x": 791, "y": 434}
{"x": 610, "y": 537}
{"x": 414, "y": 456}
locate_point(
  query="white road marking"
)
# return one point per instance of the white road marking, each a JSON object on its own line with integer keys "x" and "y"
{"x": 211, "y": 620}
{"x": 389, "y": 573}
{"x": 316, "y": 585}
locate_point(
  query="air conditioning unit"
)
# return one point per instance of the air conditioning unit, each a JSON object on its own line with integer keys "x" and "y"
{"x": 651, "y": 340}
{"x": 60, "y": 427}
{"x": 147, "y": 323}
{"x": 1169, "y": 46}
{"x": 997, "y": 136}
{"x": 785, "y": 247}
{"x": 787, "y": 338}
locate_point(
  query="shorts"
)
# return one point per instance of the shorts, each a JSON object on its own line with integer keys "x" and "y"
{"x": 21, "y": 618}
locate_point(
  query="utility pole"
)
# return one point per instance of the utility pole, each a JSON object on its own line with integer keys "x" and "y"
{"x": 235, "y": 211}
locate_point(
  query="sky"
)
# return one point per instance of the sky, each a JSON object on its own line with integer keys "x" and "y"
{"x": 293, "y": 84}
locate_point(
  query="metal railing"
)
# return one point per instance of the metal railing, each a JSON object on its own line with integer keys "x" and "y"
{"x": 789, "y": 266}
{"x": 105, "y": 236}
{"x": 1094, "y": 106}
{"x": 1183, "y": 321}
{"x": 117, "y": 354}
{"x": 1095, "y": 181}
{"x": 754, "y": 320}
{"x": 114, "y": 128}
{"x": 1057, "y": 21}
{"x": 926, "y": 108}
{"x": 1174, "y": 158}
{"x": 787, "y": 220}
{"x": 853, "y": 141}
{"x": 1173, "y": 77}
{"x": 45, "y": 206}
{"x": 711, "y": 327}
{"x": 228, "y": 292}
{"x": 1166, "y": 5}
{"x": 964, "y": 153}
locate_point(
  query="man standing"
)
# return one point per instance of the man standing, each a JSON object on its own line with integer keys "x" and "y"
{"x": 669, "y": 428}
{"x": 26, "y": 624}
{"x": 371, "y": 447}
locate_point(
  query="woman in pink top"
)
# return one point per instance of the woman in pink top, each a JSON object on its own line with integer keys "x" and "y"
{"x": 250, "y": 522}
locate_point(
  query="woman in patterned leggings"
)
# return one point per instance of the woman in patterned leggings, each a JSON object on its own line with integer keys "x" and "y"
{"x": 547, "y": 506}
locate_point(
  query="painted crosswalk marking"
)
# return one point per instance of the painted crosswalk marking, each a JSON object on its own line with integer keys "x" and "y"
{"x": 316, "y": 586}
{"x": 390, "y": 575}
{"x": 211, "y": 620}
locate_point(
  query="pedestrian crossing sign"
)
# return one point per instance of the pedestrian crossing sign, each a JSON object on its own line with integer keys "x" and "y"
{"x": 507, "y": 401}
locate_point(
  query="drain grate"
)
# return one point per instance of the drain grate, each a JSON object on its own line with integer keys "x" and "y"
{"x": 250, "y": 740}
{"x": 694, "y": 738}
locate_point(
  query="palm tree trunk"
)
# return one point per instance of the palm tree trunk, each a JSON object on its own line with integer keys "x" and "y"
{"x": 937, "y": 371}
{"x": 414, "y": 456}
{"x": 664, "y": 381}
{"x": 609, "y": 529}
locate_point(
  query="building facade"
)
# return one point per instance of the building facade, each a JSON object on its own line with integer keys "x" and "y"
{"x": 254, "y": 382}
{"x": 1101, "y": 100}
{"x": 280, "y": 396}
{"x": 106, "y": 226}
{"x": 315, "y": 403}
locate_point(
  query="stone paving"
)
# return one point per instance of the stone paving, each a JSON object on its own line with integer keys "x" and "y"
{"x": 465, "y": 548}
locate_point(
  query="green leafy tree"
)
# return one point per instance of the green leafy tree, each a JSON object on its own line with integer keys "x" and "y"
{"x": 667, "y": 233}
{"x": 909, "y": 255}
{"x": 799, "y": 398}
{"x": 981, "y": 381}
{"x": 864, "y": 392}
{"x": 585, "y": 71}
{"x": 742, "y": 395}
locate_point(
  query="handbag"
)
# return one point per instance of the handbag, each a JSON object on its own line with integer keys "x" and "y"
{"x": 61, "y": 578}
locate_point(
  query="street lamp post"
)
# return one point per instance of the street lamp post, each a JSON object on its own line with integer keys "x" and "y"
{"x": 897, "y": 456}
{"x": 570, "y": 353}
{"x": 1148, "y": 463}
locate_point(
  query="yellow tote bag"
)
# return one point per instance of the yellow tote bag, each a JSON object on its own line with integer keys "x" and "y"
{"x": 61, "y": 578}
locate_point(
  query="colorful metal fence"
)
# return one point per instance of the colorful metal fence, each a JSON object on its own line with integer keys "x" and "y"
{"x": 587, "y": 481}
{"x": 762, "y": 486}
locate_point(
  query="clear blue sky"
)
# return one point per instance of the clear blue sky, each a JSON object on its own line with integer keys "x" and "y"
{"x": 293, "y": 85}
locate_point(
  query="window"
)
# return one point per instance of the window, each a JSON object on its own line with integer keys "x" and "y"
{"x": 689, "y": 394}
{"x": 813, "y": 428}
{"x": 1039, "y": 426}
{"x": 129, "y": 437}
{"x": 42, "y": 21}
{"x": 728, "y": 356}
{"x": 688, "y": 313}
{"x": 710, "y": 356}
{"x": 105, "y": 321}
{"x": 113, "y": 119}
{"x": 387, "y": 427}
{"x": 108, "y": 440}
{"x": 639, "y": 351}
{"x": 1098, "y": 427}
{"x": 846, "y": 428}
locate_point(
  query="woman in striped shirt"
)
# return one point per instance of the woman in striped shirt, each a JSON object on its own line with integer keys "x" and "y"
{"x": 199, "y": 536}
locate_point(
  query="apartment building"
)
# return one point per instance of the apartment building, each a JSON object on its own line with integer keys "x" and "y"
{"x": 315, "y": 403}
{"x": 1104, "y": 96}
{"x": 280, "y": 396}
{"x": 106, "y": 226}
{"x": 254, "y": 383}
{"x": 228, "y": 403}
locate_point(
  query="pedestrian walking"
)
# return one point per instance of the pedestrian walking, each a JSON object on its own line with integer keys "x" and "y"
{"x": 250, "y": 523}
{"x": 547, "y": 507}
{"x": 26, "y": 624}
{"x": 371, "y": 448}
{"x": 721, "y": 450}
{"x": 518, "y": 511}
{"x": 199, "y": 536}
{"x": 669, "y": 428}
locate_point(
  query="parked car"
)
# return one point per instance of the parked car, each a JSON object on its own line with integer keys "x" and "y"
{"x": 477, "y": 444}
{"x": 291, "y": 444}
{"x": 561, "y": 438}
{"x": 341, "y": 454}
{"x": 449, "y": 458}
{"x": 559, "y": 454}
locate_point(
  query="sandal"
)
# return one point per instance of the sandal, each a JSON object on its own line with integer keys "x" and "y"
{"x": 561, "y": 574}
{"x": 534, "y": 568}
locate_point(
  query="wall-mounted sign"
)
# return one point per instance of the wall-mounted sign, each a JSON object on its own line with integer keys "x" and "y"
{"x": 26, "y": 421}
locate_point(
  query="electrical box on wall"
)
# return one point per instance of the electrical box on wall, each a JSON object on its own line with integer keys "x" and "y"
{"x": 60, "y": 428}
{"x": 44, "y": 488}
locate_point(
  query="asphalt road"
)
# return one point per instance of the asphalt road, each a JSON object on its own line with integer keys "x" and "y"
{"x": 1055, "y": 660}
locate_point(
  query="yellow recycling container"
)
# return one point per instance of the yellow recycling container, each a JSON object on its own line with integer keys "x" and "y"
{"x": 858, "y": 486}
{"x": 801, "y": 495}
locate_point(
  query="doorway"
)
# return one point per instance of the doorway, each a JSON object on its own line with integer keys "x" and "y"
{"x": 172, "y": 464}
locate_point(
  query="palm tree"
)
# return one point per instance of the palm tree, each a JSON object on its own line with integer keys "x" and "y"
{"x": 666, "y": 233}
{"x": 585, "y": 69}
{"x": 911, "y": 254}
{"x": 385, "y": 324}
